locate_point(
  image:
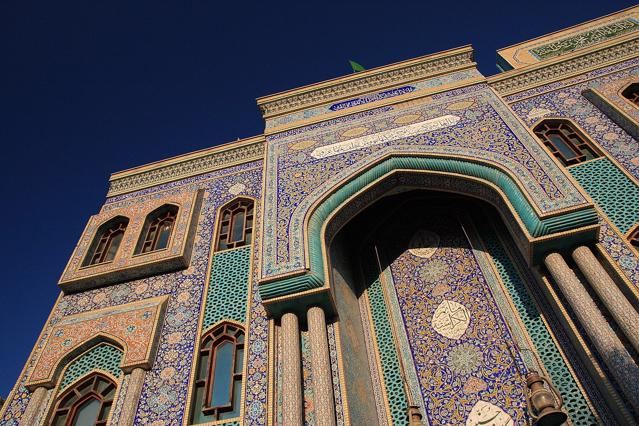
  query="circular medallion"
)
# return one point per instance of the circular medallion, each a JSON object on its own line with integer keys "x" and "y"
{"x": 423, "y": 244}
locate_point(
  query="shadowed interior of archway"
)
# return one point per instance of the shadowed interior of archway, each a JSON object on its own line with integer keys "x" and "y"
{"x": 418, "y": 245}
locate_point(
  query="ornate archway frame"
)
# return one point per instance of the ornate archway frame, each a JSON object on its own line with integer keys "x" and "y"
{"x": 535, "y": 232}
{"x": 133, "y": 327}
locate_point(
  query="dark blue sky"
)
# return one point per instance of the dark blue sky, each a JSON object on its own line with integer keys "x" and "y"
{"x": 92, "y": 87}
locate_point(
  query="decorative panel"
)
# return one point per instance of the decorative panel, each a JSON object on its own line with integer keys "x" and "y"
{"x": 304, "y": 165}
{"x": 127, "y": 265}
{"x": 613, "y": 191}
{"x": 387, "y": 352}
{"x": 134, "y": 326}
{"x": 103, "y": 357}
{"x": 576, "y": 405}
{"x": 227, "y": 294}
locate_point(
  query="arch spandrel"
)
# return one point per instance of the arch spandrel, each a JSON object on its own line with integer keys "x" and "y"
{"x": 133, "y": 327}
{"x": 469, "y": 128}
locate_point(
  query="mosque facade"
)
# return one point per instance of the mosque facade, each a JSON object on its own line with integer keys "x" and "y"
{"x": 415, "y": 244}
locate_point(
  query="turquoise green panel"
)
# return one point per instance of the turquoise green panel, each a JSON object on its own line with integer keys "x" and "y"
{"x": 536, "y": 227}
{"x": 388, "y": 355}
{"x": 104, "y": 357}
{"x": 228, "y": 287}
{"x": 612, "y": 191}
{"x": 575, "y": 401}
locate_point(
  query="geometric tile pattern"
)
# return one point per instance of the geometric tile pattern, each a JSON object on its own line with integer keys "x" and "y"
{"x": 134, "y": 325}
{"x": 555, "y": 100}
{"x": 297, "y": 176}
{"x": 103, "y": 357}
{"x": 612, "y": 191}
{"x": 476, "y": 360}
{"x": 227, "y": 294}
{"x": 393, "y": 382}
{"x": 125, "y": 260}
{"x": 166, "y": 384}
{"x": 576, "y": 404}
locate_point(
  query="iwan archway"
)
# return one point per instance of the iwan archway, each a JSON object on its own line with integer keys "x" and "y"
{"x": 436, "y": 315}
{"x": 323, "y": 294}
{"x": 535, "y": 232}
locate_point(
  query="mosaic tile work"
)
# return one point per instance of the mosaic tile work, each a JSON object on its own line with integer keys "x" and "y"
{"x": 103, "y": 357}
{"x": 461, "y": 346}
{"x": 177, "y": 251}
{"x": 620, "y": 251}
{"x": 591, "y": 76}
{"x": 388, "y": 356}
{"x": 135, "y": 325}
{"x": 612, "y": 191}
{"x": 430, "y": 83}
{"x": 337, "y": 388}
{"x": 585, "y": 39}
{"x": 296, "y": 179}
{"x": 307, "y": 379}
{"x": 164, "y": 392}
{"x": 226, "y": 298}
{"x": 570, "y": 103}
{"x": 576, "y": 405}
{"x": 611, "y": 91}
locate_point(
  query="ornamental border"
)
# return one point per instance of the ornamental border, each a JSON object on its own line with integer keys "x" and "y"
{"x": 562, "y": 67}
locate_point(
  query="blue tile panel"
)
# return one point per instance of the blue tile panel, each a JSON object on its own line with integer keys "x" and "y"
{"x": 611, "y": 189}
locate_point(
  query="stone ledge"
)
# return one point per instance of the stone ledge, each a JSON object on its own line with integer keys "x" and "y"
{"x": 187, "y": 165}
{"x": 521, "y": 79}
{"x": 366, "y": 81}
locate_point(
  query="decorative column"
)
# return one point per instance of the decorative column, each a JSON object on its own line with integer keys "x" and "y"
{"x": 132, "y": 397}
{"x": 291, "y": 371}
{"x": 321, "y": 365}
{"x": 35, "y": 404}
{"x": 606, "y": 342}
{"x": 622, "y": 311}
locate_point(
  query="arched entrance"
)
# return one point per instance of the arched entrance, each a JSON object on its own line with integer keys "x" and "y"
{"x": 429, "y": 318}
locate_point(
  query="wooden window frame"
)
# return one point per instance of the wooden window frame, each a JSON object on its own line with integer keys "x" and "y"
{"x": 568, "y": 132}
{"x": 633, "y": 237}
{"x": 230, "y": 332}
{"x": 81, "y": 398}
{"x": 106, "y": 233}
{"x": 227, "y": 218}
{"x": 150, "y": 235}
{"x": 631, "y": 93}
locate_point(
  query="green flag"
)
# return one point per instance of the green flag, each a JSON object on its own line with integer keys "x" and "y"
{"x": 356, "y": 67}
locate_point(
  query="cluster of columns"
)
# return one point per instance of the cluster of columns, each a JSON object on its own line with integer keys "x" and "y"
{"x": 602, "y": 336}
{"x": 135, "y": 379}
{"x": 292, "y": 392}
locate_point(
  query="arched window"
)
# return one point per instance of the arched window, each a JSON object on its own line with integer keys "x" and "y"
{"x": 236, "y": 225}
{"x": 565, "y": 142}
{"x": 87, "y": 403}
{"x": 218, "y": 385}
{"x": 633, "y": 237}
{"x": 157, "y": 229}
{"x": 106, "y": 242}
{"x": 632, "y": 93}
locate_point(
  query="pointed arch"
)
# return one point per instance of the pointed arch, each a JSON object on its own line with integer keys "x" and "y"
{"x": 534, "y": 231}
{"x": 219, "y": 376}
{"x": 633, "y": 236}
{"x": 88, "y": 399}
{"x": 235, "y": 224}
{"x": 630, "y": 92}
{"x": 566, "y": 141}
{"x": 106, "y": 241}
{"x": 158, "y": 229}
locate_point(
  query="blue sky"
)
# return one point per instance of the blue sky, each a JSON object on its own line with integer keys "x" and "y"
{"x": 92, "y": 87}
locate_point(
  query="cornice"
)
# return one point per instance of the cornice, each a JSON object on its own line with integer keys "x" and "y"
{"x": 366, "y": 81}
{"x": 184, "y": 166}
{"x": 566, "y": 66}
